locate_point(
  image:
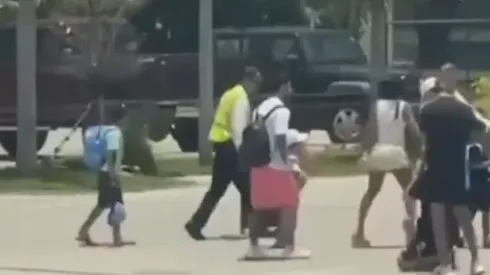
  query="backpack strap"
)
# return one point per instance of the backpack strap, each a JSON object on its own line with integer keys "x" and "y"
{"x": 272, "y": 111}
{"x": 104, "y": 136}
{"x": 397, "y": 109}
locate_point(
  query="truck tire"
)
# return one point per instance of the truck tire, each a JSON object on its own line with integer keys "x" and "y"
{"x": 186, "y": 134}
{"x": 346, "y": 126}
{"x": 8, "y": 139}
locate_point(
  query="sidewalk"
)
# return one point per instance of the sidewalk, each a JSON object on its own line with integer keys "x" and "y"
{"x": 38, "y": 232}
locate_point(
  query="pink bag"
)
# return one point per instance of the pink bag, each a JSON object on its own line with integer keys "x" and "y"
{"x": 273, "y": 189}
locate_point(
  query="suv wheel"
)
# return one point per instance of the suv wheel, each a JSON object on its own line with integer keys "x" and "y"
{"x": 346, "y": 126}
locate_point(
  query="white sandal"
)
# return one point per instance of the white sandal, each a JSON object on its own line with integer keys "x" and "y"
{"x": 478, "y": 270}
{"x": 443, "y": 270}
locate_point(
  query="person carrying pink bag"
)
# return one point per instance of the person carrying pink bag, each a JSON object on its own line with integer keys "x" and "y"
{"x": 274, "y": 187}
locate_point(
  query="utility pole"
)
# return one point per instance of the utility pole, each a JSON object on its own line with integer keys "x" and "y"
{"x": 26, "y": 85}
{"x": 378, "y": 41}
{"x": 206, "y": 79}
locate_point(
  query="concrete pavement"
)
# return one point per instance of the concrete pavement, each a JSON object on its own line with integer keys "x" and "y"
{"x": 38, "y": 235}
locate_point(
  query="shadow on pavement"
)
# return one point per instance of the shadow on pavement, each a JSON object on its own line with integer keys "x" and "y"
{"x": 386, "y": 246}
{"x": 53, "y": 271}
{"x": 227, "y": 237}
{"x": 106, "y": 245}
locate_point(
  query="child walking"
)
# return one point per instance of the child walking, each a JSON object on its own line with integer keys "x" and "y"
{"x": 109, "y": 194}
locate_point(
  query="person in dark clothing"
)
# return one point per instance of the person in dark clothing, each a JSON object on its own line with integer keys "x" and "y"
{"x": 231, "y": 117}
{"x": 448, "y": 124}
{"x": 421, "y": 253}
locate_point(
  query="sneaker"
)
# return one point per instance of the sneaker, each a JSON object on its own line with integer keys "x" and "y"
{"x": 443, "y": 270}
{"x": 244, "y": 232}
{"x": 194, "y": 232}
{"x": 478, "y": 269}
{"x": 255, "y": 252}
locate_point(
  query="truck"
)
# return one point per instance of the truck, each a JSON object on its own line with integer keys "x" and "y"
{"x": 328, "y": 70}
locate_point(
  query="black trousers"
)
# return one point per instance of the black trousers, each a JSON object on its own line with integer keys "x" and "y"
{"x": 108, "y": 192}
{"x": 425, "y": 233}
{"x": 226, "y": 169}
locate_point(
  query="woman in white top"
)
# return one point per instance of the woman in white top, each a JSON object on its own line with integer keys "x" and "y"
{"x": 392, "y": 143}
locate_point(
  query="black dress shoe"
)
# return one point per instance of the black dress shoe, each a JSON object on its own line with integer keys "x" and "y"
{"x": 194, "y": 231}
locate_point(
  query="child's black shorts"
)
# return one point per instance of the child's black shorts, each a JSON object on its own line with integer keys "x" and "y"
{"x": 108, "y": 192}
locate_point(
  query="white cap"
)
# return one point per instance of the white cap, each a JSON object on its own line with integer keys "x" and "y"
{"x": 294, "y": 137}
{"x": 428, "y": 84}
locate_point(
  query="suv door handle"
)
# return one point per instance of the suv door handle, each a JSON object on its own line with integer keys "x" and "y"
{"x": 147, "y": 60}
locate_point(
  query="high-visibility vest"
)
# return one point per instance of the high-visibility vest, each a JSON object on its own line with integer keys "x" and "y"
{"x": 221, "y": 129}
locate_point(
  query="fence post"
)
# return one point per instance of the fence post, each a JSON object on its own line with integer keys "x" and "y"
{"x": 26, "y": 85}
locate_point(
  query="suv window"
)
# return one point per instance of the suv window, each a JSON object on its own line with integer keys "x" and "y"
{"x": 228, "y": 48}
{"x": 281, "y": 47}
{"x": 270, "y": 48}
{"x": 334, "y": 47}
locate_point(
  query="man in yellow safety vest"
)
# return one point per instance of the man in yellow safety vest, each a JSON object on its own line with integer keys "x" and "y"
{"x": 231, "y": 118}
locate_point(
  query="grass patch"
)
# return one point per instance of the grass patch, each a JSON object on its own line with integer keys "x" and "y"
{"x": 329, "y": 165}
{"x": 320, "y": 164}
{"x": 66, "y": 180}
{"x": 73, "y": 178}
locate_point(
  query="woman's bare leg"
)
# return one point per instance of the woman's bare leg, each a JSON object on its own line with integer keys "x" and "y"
{"x": 404, "y": 178}
{"x": 464, "y": 219}
{"x": 375, "y": 182}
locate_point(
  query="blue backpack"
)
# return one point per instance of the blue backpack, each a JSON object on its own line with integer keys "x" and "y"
{"x": 96, "y": 146}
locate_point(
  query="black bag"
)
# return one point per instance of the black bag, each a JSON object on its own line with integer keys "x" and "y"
{"x": 255, "y": 148}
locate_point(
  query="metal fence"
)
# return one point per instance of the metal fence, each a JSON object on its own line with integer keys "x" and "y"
{"x": 468, "y": 37}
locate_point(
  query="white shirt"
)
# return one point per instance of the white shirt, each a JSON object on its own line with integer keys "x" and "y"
{"x": 277, "y": 124}
{"x": 391, "y": 126}
{"x": 240, "y": 118}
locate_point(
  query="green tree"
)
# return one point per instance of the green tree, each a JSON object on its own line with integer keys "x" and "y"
{"x": 339, "y": 14}
{"x": 433, "y": 39}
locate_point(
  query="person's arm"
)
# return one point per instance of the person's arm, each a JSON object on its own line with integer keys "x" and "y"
{"x": 369, "y": 135}
{"x": 281, "y": 129}
{"x": 414, "y": 135}
{"x": 240, "y": 118}
{"x": 114, "y": 143}
{"x": 483, "y": 122}
{"x": 423, "y": 118}
{"x": 478, "y": 122}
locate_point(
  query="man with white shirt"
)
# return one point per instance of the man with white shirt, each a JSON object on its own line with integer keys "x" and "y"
{"x": 277, "y": 115}
{"x": 231, "y": 118}
{"x": 277, "y": 125}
